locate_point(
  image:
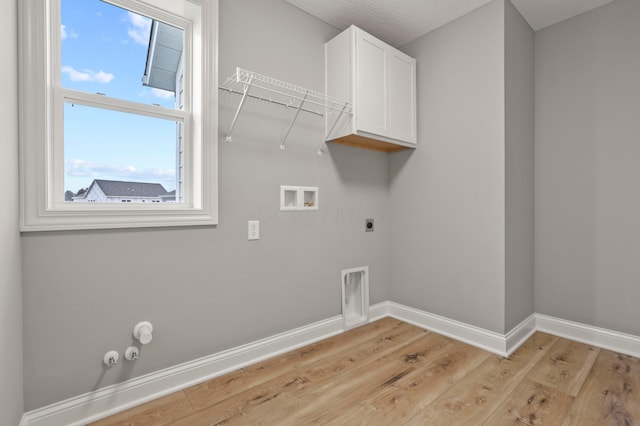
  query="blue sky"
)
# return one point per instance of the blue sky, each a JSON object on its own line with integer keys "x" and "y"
{"x": 104, "y": 50}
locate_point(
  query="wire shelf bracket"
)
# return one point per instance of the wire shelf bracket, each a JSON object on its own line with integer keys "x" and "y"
{"x": 255, "y": 86}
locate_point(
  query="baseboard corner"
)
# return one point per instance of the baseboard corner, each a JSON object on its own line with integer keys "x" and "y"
{"x": 467, "y": 333}
{"x": 520, "y": 334}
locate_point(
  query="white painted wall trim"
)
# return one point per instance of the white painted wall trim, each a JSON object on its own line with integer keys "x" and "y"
{"x": 475, "y": 336}
{"x": 612, "y": 340}
{"x": 378, "y": 311}
{"x": 520, "y": 333}
{"x": 107, "y": 401}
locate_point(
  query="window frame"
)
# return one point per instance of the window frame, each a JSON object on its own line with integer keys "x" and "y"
{"x": 41, "y": 107}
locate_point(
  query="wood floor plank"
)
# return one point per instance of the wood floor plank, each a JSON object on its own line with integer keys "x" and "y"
{"x": 531, "y": 404}
{"x": 566, "y": 366}
{"x": 411, "y": 393}
{"x": 611, "y": 393}
{"x": 258, "y": 402}
{"x": 327, "y": 403}
{"x": 473, "y": 399}
{"x": 338, "y": 375}
{"x": 334, "y": 385}
{"x": 162, "y": 411}
{"x": 215, "y": 390}
{"x": 240, "y": 407}
{"x": 359, "y": 356}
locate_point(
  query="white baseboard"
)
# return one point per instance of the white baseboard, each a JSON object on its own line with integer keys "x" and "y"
{"x": 520, "y": 333}
{"x": 503, "y": 345}
{"x": 612, "y": 340}
{"x": 107, "y": 401}
{"x": 475, "y": 336}
{"x": 104, "y": 402}
{"x": 378, "y": 311}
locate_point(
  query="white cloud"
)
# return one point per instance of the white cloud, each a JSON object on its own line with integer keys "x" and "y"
{"x": 87, "y": 75}
{"x": 139, "y": 29}
{"x": 91, "y": 169}
{"x": 67, "y": 33}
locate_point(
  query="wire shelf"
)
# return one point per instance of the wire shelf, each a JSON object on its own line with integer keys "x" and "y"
{"x": 260, "y": 87}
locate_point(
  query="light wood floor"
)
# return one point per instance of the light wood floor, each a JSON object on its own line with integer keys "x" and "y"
{"x": 392, "y": 373}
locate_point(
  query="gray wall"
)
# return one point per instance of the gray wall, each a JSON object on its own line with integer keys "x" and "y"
{"x": 447, "y": 197}
{"x": 11, "y": 395}
{"x": 519, "y": 156}
{"x": 461, "y": 240}
{"x": 587, "y": 168}
{"x": 209, "y": 289}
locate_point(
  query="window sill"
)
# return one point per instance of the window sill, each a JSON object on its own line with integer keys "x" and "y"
{"x": 110, "y": 220}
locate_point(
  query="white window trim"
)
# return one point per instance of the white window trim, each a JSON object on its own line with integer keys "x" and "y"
{"x": 42, "y": 207}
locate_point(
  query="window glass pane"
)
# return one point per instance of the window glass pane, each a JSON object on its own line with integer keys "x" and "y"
{"x": 132, "y": 158}
{"x": 110, "y": 50}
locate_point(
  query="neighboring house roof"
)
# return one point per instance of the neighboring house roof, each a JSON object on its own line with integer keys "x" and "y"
{"x": 163, "y": 56}
{"x": 170, "y": 196}
{"x": 118, "y": 188}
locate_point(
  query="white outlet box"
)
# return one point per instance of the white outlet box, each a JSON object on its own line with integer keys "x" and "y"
{"x": 254, "y": 230}
{"x": 289, "y": 197}
{"x": 298, "y": 198}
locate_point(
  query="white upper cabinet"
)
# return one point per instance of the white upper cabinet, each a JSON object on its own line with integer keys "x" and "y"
{"x": 380, "y": 82}
{"x": 370, "y": 85}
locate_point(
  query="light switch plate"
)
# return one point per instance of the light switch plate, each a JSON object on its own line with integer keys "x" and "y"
{"x": 254, "y": 230}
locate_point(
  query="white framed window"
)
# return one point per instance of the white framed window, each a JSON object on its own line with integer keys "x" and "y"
{"x": 118, "y": 113}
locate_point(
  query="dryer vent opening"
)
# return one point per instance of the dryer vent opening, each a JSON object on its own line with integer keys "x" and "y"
{"x": 355, "y": 296}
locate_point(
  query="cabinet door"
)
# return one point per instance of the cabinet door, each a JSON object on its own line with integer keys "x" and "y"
{"x": 371, "y": 84}
{"x": 401, "y": 107}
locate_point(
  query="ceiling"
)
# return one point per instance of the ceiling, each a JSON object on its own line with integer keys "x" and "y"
{"x": 400, "y": 21}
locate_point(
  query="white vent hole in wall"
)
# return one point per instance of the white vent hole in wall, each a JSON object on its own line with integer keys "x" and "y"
{"x": 355, "y": 296}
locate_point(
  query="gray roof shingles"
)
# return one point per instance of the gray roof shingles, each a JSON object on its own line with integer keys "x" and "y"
{"x": 118, "y": 188}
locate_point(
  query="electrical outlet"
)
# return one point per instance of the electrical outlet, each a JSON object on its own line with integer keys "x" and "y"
{"x": 254, "y": 230}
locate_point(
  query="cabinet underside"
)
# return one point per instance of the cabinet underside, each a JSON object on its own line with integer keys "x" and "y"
{"x": 368, "y": 143}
